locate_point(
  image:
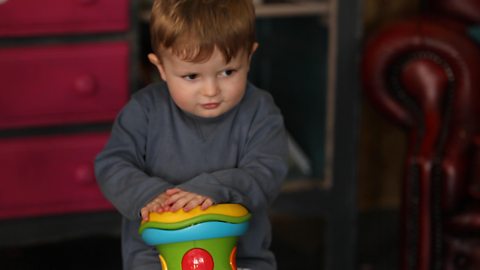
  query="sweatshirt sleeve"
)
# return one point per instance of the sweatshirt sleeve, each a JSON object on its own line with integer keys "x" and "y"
{"x": 261, "y": 169}
{"x": 120, "y": 167}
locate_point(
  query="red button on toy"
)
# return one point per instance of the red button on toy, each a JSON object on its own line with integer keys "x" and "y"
{"x": 197, "y": 259}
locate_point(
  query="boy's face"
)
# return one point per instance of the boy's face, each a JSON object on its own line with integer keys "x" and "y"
{"x": 206, "y": 89}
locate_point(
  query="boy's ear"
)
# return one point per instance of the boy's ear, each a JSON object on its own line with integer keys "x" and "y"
{"x": 254, "y": 48}
{"x": 158, "y": 64}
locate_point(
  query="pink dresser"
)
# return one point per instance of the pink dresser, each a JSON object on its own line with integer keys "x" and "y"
{"x": 64, "y": 75}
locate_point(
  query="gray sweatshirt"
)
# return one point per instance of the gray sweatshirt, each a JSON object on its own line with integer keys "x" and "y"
{"x": 238, "y": 157}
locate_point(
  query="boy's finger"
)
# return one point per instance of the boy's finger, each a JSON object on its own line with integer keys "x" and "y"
{"x": 157, "y": 208}
{"x": 172, "y": 191}
{"x": 144, "y": 213}
{"x": 179, "y": 204}
{"x": 206, "y": 204}
{"x": 192, "y": 204}
{"x": 198, "y": 200}
{"x": 176, "y": 197}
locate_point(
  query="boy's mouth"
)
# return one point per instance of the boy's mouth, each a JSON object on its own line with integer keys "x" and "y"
{"x": 211, "y": 106}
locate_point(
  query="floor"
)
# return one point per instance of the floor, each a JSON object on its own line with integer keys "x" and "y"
{"x": 299, "y": 250}
{"x": 87, "y": 253}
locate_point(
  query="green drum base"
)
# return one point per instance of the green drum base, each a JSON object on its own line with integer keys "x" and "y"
{"x": 210, "y": 254}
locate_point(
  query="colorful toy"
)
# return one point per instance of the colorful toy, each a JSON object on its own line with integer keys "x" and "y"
{"x": 198, "y": 239}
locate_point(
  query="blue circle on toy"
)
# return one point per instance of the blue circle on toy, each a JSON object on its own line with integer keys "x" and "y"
{"x": 201, "y": 231}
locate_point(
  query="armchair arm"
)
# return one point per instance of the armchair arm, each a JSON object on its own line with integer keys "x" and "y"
{"x": 421, "y": 73}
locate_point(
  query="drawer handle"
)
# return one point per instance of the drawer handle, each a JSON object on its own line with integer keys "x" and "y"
{"x": 83, "y": 174}
{"x": 85, "y": 85}
{"x": 85, "y": 2}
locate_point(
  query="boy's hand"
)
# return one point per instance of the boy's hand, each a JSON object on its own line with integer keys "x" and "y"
{"x": 156, "y": 205}
{"x": 173, "y": 200}
{"x": 178, "y": 199}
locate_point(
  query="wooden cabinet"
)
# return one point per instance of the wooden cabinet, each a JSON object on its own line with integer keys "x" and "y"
{"x": 309, "y": 53}
{"x": 65, "y": 72}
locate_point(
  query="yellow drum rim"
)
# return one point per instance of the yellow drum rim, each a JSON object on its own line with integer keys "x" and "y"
{"x": 230, "y": 209}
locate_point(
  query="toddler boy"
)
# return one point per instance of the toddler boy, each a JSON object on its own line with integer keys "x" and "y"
{"x": 203, "y": 135}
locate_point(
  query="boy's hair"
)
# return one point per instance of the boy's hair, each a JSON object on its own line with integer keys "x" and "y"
{"x": 194, "y": 28}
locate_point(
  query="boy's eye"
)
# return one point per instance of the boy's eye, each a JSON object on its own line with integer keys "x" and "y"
{"x": 227, "y": 72}
{"x": 190, "y": 77}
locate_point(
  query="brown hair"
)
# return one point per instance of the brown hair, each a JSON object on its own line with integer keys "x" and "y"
{"x": 194, "y": 28}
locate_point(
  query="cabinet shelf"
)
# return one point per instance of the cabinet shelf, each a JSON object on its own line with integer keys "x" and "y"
{"x": 269, "y": 10}
{"x": 295, "y": 9}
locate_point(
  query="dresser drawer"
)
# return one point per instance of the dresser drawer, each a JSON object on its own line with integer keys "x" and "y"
{"x": 64, "y": 84}
{"x": 50, "y": 175}
{"x": 25, "y": 18}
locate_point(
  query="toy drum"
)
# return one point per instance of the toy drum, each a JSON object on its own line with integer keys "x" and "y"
{"x": 198, "y": 239}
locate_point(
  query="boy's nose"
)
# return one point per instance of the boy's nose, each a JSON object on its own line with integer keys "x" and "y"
{"x": 211, "y": 89}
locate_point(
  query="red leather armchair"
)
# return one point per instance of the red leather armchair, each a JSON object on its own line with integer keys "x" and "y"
{"x": 424, "y": 74}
